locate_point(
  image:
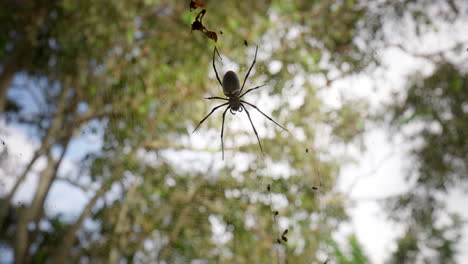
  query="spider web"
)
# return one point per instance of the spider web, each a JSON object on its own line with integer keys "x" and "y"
{"x": 266, "y": 192}
{"x": 262, "y": 193}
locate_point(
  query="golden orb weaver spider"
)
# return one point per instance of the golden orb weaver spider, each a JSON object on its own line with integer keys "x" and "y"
{"x": 233, "y": 92}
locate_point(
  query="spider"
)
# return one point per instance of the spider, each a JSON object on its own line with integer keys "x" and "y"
{"x": 233, "y": 92}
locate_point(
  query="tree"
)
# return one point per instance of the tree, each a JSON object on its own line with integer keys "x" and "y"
{"x": 433, "y": 108}
{"x": 353, "y": 254}
{"x": 435, "y": 103}
{"x": 133, "y": 74}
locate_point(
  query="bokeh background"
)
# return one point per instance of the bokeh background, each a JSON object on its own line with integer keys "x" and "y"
{"x": 98, "y": 162}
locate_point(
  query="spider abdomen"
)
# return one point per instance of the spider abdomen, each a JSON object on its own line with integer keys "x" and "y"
{"x": 231, "y": 84}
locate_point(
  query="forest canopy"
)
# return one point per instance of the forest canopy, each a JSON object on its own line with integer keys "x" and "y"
{"x": 109, "y": 93}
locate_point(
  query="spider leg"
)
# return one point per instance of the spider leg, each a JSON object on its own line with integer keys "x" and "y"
{"x": 251, "y": 66}
{"x": 222, "y": 131}
{"x": 214, "y": 109}
{"x": 214, "y": 66}
{"x": 216, "y": 97}
{"x": 251, "y": 89}
{"x": 255, "y": 130}
{"x": 263, "y": 114}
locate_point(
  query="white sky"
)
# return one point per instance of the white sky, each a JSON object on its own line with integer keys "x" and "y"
{"x": 381, "y": 169}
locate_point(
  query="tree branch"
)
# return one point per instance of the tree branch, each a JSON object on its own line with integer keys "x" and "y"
{"x": 119, "y": 227}
{"x": 159, "y": 145}
{"x": 69, "y": 238}
{"x": 90, "y": 116}
{"x": 80, "y": 186}
{"x": 9, "y": 68}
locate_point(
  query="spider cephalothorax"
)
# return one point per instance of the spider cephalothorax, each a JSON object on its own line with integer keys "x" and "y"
{"x": 233, "y": 92}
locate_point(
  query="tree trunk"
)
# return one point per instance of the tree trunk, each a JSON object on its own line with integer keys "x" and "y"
{"x": 22, "y": 232}
{"x": 10, "y": 67}
{"x": 46, "y": 177}
{"x": 120, "y": 226}
{"x": 181, "y": 219}
{"x": 62, "y": 252}
{"x": 5, "y": 203}
{"x": 36, "y": 208}
{"x": 52, "y": 132}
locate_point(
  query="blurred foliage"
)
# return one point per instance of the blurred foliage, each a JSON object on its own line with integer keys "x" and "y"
{"x": 417, "y": 240}
{"x": 137, "y": 69}
{"x": 353, "y": 254}
{"x": 435, "y": 108}
{"x": 438, "y": 106}
{"x": 133, "y": 75}
{"x": 432, "y": 116}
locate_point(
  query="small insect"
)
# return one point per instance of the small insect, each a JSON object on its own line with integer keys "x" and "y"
{"x": 233, "y": 92}
{"x": 220, "y": 32}
{"x": 278, "y": 241}
{"x": 211, "y": 34}
{"x": 315, "y": 188}
{"x": 307, "y": 150}
{"x": 268, "y": 187}
{"x": 198, "y": 24}
{"x": 245, "y": 43}
{"x": 194, "y": 5}
{"x": 283, "y": 236}
{"x": 275, "y": 214}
